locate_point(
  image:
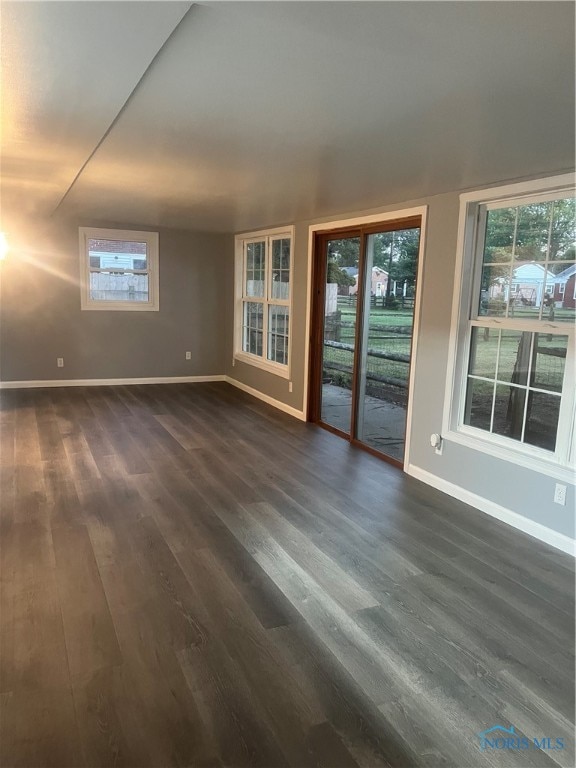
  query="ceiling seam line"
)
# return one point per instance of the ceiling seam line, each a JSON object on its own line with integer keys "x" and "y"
{"x": 122, "y": 108}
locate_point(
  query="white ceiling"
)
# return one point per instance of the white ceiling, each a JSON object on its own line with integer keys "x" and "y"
{"x": 257, "y": 114}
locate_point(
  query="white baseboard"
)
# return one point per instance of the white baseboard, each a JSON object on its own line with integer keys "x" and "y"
{"x": 108, "y": 382}
{"x": 267, "y": 399}
{"x": 153, "y": 380}
{"x": 537, "y": 530}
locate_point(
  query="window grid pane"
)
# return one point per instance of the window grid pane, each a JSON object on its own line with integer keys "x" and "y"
{"x": 484, "y": 352}
{"x": 507, "y": 372}
{"x": 281, "y": 269}
{"x": 278, "y": 333}
{"x": 479, "y": 403}
{"x": 542, "y": 420}
{"x": 255, "y": 281}
{"x": 513, "y": 362}
{"x": 252, "y": 329}
{"x": 549, "y": 362}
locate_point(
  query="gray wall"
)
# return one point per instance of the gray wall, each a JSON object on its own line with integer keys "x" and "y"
{"x": 523, "y": 491}
{"x": 41, "y": 319}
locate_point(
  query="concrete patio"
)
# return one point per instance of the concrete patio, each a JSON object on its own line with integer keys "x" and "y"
{"x": 383, "y": 425}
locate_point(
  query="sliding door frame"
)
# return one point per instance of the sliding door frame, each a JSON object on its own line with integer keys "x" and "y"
{"x": 319, "y": 269}
{"x": 360, "y": 227}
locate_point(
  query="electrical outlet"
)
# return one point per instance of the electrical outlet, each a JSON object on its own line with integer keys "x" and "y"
{"x": 60, "y": 362}
{"x": 437, "y": 443}
{"x": 188, "y": 355}
{"x": 289, "y": 386}
{"x": 560, "y": 494}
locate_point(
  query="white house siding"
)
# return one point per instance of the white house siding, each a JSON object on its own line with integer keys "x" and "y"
{"x": 529, "y": 283}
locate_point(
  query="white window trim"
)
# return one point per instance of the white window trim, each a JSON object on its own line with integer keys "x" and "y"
{"x": 240, "y": 240}
{"x": 465, "y": 289}
{"x": 152, "y": 241}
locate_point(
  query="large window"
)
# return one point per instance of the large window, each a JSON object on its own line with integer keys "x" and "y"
{"x": 514, "y": 364}
{"x": 263, "y": 278}
{"x": 118, "y": 269}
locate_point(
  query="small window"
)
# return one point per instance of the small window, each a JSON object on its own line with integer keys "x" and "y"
{"x": 119, "y": 269}
{"x": 262, "y": 316}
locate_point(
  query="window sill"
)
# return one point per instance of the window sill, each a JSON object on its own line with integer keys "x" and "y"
{"x": 538, "y": 461}
{"x": 119, "y": 307}
{"x": 266, "y": 365}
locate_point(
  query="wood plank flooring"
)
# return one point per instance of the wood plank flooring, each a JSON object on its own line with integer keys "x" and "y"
{"x": 191, "y": 578}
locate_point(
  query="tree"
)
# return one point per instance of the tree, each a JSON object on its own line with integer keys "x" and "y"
{"x": 336, "y": 274}
{"x": 344, "y": 252}
{"x": 526, "y": 230}
{"x": 397, "y": 253}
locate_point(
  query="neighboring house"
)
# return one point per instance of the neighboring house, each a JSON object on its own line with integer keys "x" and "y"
{"x": 116, "y": 262}
{"x": 379, "y": 282}
{"x": 565, "y": 288}
{"x": 110, "y": 254}
{"x": 530, "y": 281}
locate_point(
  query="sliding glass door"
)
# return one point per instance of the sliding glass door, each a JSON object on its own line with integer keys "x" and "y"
{"x": 339, "y": 331}
{"x": 387, "y": 321}
{"x": 365, "y": 284}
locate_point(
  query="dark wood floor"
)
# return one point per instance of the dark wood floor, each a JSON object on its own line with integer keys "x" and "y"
{"x": 191, "y": 578}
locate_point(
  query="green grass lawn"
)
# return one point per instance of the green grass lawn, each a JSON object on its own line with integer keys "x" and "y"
{"x": 378, "y": 316}
{"x": 549, "y": 367}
